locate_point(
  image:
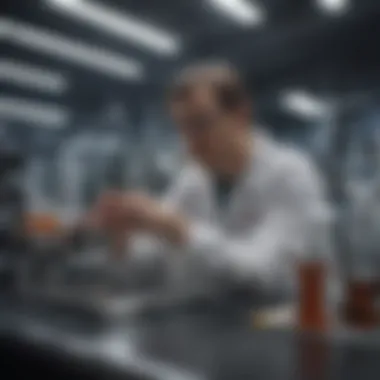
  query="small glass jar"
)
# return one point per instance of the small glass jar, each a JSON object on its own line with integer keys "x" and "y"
{"x": 362, "y": 279}
{"x": 314, "y": 276}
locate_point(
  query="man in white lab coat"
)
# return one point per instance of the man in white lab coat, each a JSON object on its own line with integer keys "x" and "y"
{"x": 244, "y": 207}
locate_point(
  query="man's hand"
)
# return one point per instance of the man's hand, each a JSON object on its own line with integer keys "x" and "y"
{"x": 116, "y": 212}
{"x": 148, "y": 215}
{"x": 108, "y": 216}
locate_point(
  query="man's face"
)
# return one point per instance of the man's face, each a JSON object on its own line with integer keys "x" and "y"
{"x": 206, "y": 128}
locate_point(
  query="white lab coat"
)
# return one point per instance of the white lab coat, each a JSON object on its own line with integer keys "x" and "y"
{"x": 276, "y": 215}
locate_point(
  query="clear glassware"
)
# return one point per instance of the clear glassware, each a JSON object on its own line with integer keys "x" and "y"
{"x": 363, "y": 277}
{"x": 317, "y": 276}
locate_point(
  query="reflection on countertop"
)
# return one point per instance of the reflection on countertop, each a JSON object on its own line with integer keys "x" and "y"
{"x": 190, "y": 340}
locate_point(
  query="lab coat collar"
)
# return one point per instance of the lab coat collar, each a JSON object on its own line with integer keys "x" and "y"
{"x": 263, "y": 150}
{"x": 253, "y": 175}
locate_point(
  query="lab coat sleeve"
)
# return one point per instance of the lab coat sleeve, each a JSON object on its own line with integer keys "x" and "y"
{"x": 146, "y": 249}
{"x": 297, "y": 218}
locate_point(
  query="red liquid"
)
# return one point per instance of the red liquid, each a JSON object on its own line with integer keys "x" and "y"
{"x": 360, "y": 309}
{"x": 312, "y": 301}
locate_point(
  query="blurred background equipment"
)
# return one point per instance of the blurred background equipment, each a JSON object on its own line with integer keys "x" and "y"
{"x": 12, "y": 211}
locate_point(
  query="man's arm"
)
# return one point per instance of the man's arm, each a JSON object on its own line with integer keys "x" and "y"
{"x": 296, "y": 221}
{"x": 148, "y": 246}
{"x": 293, "y": 227}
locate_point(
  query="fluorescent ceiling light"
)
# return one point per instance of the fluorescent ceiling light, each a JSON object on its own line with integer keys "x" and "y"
{"x": 120, "y": 24}
{"x": 33, "y": 112}
{"x": 91, "y": 57}
{"x": 25, "y": 75}
{"x": 244, "y": 12}
{"x": 333, "y": 6}
{"x": 304, "y": 104}
{"x": 5, "y": 27}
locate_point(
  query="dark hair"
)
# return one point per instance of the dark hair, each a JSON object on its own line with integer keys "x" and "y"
{"x": 222, "y": 78}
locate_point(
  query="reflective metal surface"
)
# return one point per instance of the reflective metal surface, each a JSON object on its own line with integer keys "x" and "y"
{"x": 209, "y": 341}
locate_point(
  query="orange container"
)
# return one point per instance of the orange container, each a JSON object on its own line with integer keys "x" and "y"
{"x": 312, "y": 312}
{"x": 37, "y": 225}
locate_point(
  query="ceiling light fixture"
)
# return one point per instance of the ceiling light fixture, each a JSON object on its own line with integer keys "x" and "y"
{"x": 33, "y": 112}
{"x": 26, "y": 75}
{"x": 333, "y": 6}
{"x": 5, "y": 26}
{"x": 90, "y": 57}
{"x": 304, "y": 104}
{"x": 244, "y": 12}
{"x": 120, "y": 24}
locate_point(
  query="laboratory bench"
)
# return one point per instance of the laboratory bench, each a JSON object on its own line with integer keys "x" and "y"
{"x": 194, "y": 340}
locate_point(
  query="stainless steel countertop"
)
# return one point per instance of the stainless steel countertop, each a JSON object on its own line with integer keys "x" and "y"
{"x": 201, "y": 342}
